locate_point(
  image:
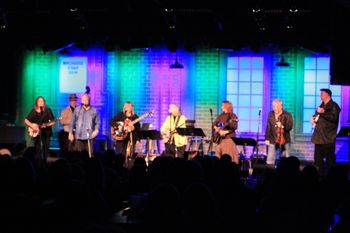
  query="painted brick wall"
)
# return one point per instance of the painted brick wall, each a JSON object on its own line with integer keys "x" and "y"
{"x": 207, "y": 86}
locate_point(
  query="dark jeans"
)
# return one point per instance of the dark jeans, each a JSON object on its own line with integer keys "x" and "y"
{"x": 64, "y": 143}
{"x": 324, "y": 151}
{"x": 174, "y": 151}
{"x": 120, "y": 147}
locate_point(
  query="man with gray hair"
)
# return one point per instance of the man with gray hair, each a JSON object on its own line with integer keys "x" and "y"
{"x": 277, "y": 133}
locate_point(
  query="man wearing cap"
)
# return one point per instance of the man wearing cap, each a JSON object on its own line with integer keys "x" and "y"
{"x": 325, "y": 124}
{"x": 66, "y": 115}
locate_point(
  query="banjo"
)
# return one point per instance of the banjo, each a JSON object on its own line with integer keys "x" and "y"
{"x": 34, "y": 133}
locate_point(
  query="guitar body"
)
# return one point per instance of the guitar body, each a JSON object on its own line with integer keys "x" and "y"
{"x": 217, "y": 138}
{"x": 167, "y": 136}
{"x": 121, "y": 129}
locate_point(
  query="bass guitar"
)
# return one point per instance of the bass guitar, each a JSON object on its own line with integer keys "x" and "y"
{"x": 34, "y": 133}
{"x": 122, "y": 128}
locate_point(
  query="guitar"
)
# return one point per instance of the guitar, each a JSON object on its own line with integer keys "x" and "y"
{"x": 217, "y": 137}
{"x": 168, "y": 135}
{"x": 34, "y": 133}
{"x": 121, "y": 129}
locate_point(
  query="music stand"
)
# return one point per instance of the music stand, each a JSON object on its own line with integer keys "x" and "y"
{"x": 191, "y": 132}
{"x": 245, "y": 142}
{"x": 345, "y": 132}
{"x": 150, "y": 135}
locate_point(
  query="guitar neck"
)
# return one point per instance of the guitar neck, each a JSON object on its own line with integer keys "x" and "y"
{"x": 140, "y": 118}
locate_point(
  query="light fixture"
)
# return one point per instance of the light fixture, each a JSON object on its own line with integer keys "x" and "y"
{"x": 282, "y": 63}
{"x": 176, "y": 65}
{"x": 64, "y": 48}
{"x": 3, "y": 20}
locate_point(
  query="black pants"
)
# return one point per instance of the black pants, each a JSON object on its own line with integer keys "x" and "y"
{"x": 41, "y": 144}
{"x": 83, "y": 145}
{"x": 120, "y": 146}
{"x": 63, "y": 141}
{"x": 174, "y": 151}
{"x": 324, "y": 151}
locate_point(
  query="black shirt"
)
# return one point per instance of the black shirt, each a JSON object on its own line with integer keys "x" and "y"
{"x": 41, "y": 118}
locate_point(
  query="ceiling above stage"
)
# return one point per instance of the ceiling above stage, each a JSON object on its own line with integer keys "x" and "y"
{"x": 145, "y": 23}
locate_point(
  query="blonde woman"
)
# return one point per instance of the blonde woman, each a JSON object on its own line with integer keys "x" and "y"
{"x": 175, "y": 144}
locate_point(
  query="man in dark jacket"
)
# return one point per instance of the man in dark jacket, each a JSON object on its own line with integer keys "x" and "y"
{"x": 277, "y": 133}
{"x": 325, "y": 124}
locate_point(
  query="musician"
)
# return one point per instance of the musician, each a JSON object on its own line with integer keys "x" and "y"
{"x": 225, "y": 126}
{"x": 129, "y": 135}
{"x": 67, "y": 115}
{"x": 175, "y": 144}
{"x": 325, "y": 121}
{"x": 40, "y": 121}
{"x": 84, "y": 126}
{"x": 277, "y": 133}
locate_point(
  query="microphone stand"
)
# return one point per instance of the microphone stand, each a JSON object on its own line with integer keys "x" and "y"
{"x": 42, "y": 152}
{"x": 212, "y": 133}
{"x": 257, "y": 135}
{"x": 88, "y": 138}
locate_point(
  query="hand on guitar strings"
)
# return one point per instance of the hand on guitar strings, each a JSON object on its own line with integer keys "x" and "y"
{"x": 223, "y": 132}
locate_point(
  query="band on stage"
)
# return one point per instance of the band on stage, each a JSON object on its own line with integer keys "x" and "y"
{"x": 81, "y": 125}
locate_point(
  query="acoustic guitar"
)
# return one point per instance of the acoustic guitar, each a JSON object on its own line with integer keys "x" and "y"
{"x": 122, "y": 128}
{"x": 34, "y": 133}
{"x": 217, "y": 137}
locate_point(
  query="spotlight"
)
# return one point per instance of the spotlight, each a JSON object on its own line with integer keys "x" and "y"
{"x": 176, "y": 65}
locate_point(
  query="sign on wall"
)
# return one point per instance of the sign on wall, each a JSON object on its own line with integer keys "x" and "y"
{"x": 73, "y": 74}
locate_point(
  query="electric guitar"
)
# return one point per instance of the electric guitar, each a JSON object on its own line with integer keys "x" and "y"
{"x": 217, "y": 137}
{"x": 121, "y": 129}
{"x": 34, "y": 133}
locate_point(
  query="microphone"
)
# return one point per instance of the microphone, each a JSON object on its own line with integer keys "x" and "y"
{"x": 211, "y": 111}
{"x": 260, "y": 111}
{"x": 41, "y": 110}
